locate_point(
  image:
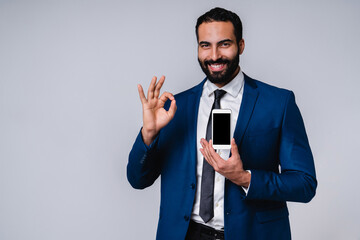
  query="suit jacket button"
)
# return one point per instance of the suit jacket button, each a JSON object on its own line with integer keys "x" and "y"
{"x": 192, "y": 186}
{"x": 186, "y": 218}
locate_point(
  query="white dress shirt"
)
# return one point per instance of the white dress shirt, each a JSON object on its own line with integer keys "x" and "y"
{"x": 231, "y": 100}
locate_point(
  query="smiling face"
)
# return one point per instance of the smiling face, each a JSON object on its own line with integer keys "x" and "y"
{"x": 218, "y": 51}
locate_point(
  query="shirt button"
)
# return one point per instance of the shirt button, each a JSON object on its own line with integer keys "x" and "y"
{"x": 217, "y": 179}
{"x": 217, "y": 204}
{"x": 186, "y": 218}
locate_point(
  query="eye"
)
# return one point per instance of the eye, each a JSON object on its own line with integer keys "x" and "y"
{"x": 204, "y": 45}
{"x": 225, "y": 44}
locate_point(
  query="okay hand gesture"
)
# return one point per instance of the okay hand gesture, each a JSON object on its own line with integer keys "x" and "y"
{"x": 155, "y": 117}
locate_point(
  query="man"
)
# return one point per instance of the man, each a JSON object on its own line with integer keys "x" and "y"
{"x": 245, "y": 197}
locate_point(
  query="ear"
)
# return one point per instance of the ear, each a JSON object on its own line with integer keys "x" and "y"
{"x": 241, "y": 46}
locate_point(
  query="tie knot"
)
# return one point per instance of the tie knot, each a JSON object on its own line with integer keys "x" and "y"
{"x": 219, "y": 94}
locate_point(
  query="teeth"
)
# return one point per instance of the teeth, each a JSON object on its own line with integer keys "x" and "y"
{"x": 217, "y": 65}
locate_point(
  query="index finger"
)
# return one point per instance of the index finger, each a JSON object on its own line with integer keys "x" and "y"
{"x": 214, "y": 154}
{"x": 165, "y": 96}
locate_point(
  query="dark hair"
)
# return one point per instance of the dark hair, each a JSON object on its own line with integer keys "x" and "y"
{"x": 221, "y": 15}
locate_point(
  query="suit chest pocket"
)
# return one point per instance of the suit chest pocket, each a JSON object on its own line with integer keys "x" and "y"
{"x": 260, "y": 148}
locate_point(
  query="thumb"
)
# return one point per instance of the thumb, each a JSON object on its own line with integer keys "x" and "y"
{"x": 172, "y": 108}
{"x": 234, "y": 148}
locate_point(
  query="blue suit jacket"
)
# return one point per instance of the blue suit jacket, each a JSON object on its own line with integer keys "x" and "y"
{"x": 272, "y": 142}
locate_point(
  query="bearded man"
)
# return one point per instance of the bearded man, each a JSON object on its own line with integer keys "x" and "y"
{"x": 237, "y": 193}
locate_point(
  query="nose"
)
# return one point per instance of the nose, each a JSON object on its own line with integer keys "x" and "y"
{"x": 215, "y": 55}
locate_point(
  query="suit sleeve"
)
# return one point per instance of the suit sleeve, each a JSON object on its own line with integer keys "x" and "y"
{"x": 143, "y": 166}
{"x": 297, "y": 180}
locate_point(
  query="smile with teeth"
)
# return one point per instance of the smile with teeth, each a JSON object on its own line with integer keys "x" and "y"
{"x": 217, "y": 67}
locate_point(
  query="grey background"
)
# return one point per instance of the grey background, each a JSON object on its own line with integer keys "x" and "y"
{"x": 69, "y": 107}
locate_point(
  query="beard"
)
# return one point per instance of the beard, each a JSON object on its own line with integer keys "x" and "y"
{"x": 224, "y": 76}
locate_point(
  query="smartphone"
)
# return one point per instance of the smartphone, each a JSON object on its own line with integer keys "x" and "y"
{"x": 221, "y": 132}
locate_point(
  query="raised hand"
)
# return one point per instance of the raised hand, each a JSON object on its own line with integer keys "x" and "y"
{"x": 155, "y": 117}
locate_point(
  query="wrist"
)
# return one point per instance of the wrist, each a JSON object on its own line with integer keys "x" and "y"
{"x": 247, "y": 178}
{"x": 148, "y": 136}
{"x": 244, "y": 179}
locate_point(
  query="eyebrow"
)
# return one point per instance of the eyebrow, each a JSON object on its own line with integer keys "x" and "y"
{"x": 220, "y": 42}
{"x": 203, "y": 42}
{"x": 225, "y": 40}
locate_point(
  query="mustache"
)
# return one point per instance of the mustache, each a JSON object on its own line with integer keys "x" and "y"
{"x": 218, "y": 61}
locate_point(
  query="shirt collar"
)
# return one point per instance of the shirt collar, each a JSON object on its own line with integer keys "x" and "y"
{"x": 233, "y": 87}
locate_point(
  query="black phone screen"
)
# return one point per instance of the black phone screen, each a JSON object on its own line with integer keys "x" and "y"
{"x": 221, "y": 128}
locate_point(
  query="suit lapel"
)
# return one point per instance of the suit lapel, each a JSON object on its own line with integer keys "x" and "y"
{"x": 192, "y": 116}
{"x": 248, "y": 102}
